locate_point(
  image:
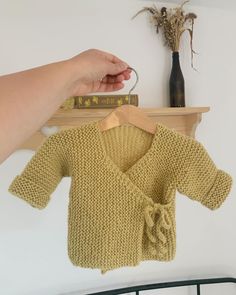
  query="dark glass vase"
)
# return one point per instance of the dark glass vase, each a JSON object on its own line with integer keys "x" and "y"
{"x": 176, "y": 83}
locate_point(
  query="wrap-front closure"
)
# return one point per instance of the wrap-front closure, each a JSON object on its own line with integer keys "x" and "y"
{"x": 155, "y": 215}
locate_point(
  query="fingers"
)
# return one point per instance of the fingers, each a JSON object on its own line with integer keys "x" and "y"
{"x": 127, "y": 74}
{"x": 110, "y": 87}
{"x": 113, "y": 83}
{"x": 118, "y": 78}
{"x": 115, "y": 69}
{"x": 115, "y": 65}
{"x": 115, "y": 79}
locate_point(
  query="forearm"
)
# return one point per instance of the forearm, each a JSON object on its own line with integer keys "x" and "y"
{"x": 29, "y": 98}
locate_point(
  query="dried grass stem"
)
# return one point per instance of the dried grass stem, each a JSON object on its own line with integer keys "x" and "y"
{"x": 173, "y": 23}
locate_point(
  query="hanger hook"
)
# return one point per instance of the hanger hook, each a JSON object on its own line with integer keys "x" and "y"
{"x": 137, "y": 79}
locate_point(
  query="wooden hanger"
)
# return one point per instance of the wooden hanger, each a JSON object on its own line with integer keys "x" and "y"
{"x": 128, "y": 114}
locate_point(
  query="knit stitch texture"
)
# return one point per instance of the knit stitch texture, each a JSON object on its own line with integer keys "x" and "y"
{"x": 123, "y": 187}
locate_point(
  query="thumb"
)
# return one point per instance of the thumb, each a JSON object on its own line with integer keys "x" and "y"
{"x": 117, "y": 68}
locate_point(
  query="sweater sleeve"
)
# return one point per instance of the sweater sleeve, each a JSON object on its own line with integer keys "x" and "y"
{"x": 200, "y": 179}
{"x": 42, "y": 174}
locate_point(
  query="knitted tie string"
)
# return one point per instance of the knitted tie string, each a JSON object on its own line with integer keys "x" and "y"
{"x": 162, "y": 222}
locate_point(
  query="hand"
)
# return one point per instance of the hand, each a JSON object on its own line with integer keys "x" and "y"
{"x": 98, "y": 71}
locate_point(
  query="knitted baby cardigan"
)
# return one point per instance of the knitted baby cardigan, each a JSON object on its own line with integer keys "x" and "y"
{"x": 122, "y": 193}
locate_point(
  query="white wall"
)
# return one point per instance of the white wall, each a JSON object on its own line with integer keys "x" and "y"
{"x": 33, "y": 244}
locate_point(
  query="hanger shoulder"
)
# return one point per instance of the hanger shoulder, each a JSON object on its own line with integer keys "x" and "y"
{"x": 128, "y": 114}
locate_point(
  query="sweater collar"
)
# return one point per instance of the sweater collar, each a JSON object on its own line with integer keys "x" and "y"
{"x": 153, "y": 147}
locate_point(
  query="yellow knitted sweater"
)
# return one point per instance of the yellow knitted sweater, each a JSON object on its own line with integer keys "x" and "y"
{"x": 123, "y": 185}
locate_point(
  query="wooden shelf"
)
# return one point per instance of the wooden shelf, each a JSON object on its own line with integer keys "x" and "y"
{"x": 183, "y": 120}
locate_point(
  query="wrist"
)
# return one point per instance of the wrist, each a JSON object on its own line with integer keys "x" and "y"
{"x": 75, "y": 68}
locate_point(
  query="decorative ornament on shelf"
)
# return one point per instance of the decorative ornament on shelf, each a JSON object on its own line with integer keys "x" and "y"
{"x": 98, "y": 101}
{"x": 173, "y": 23}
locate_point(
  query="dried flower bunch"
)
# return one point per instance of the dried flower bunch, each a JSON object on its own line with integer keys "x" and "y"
{"x": 173, "y": 22}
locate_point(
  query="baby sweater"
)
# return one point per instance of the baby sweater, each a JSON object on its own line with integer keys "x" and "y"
{"x": 123, "y": 186}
